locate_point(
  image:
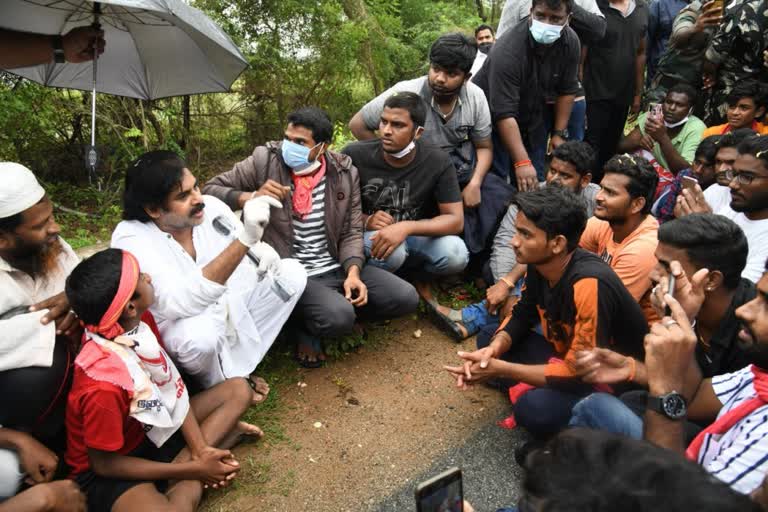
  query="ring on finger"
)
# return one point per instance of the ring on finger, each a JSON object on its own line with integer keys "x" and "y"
{"x": 670, "y": 323}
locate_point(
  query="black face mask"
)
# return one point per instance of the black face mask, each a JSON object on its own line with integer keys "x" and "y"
{"x": 484, "y": 47}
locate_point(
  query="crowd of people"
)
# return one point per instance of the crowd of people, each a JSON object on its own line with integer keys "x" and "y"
{"x": 625, "y": 272}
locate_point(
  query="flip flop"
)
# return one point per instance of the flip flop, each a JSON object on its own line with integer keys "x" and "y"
{"x": 252, "y": 384}
{"x": 447, "y": 324}
{"x": 304, "y": 361}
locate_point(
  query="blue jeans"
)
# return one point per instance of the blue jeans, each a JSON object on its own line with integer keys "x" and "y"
{"x": 442, "y": 255}
{"x": 601, "y": 411}
{"x": 575, "y": 132}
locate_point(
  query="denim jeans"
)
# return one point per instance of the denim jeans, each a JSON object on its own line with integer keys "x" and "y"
{"x": 442, "y": 255}
{"x": 601, "y": 411}
{"x": 575, "y": 132}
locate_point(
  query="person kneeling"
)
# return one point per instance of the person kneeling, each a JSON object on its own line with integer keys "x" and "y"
{"x": 128, "y": 414}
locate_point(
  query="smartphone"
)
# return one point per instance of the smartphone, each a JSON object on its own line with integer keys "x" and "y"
{"x": 441, "y": 493}
{"x": 689, "y": 183}
{"x": 654, "y": 110}
{"x": 671, "y": 291}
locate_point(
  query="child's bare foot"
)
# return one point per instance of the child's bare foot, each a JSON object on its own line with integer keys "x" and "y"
{"x": 241, "y": 432}
{"x": 260, "y": 389}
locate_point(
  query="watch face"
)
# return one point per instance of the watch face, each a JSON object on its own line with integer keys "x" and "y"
{"x": 674, "y": 406}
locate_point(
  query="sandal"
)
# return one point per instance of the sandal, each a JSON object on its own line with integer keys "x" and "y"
{"x": 303, "y": 359}
{"x": 446, "y": 323}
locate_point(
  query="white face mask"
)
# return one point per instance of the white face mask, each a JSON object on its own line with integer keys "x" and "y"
{"x": 410, "y": 147}
{"x": 405, "y": 151}
{"x": 675, "y": 125}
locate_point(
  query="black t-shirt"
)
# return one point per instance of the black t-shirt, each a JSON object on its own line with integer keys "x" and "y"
{"x": 609, "y": 71}
{"x": 407, "y": 193}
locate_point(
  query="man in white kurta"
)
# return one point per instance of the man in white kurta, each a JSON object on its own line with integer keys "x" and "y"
{"x": 34, "y": 265}
{"x": 216, "y": 309}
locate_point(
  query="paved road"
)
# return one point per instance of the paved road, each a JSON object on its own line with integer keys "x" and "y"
{"x": 490, "y": 474}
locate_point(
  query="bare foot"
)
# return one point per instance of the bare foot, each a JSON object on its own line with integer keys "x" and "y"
{"x": 241, "y": 432}
{"x": 260, "y": 389}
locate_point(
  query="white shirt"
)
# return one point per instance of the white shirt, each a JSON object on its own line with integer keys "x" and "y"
{"x": 25, "y": 341}
{"x": 738, "y": 457}
{"x": 718, "y": 198}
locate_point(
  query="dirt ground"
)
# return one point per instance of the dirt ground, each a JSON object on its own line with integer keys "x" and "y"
{"x": 364, "y": 426}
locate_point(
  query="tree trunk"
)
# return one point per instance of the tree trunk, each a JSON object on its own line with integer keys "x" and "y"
{"x": 356, "y": 11}
{"x": 481, "y": 10}
{"x": 185, "y": 107}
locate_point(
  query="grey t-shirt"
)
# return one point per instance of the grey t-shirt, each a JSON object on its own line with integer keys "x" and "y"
{"x": 470, "y": 121}
{"x": 503, "y": 258}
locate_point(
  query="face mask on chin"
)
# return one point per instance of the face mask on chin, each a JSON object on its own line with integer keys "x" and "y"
{"x": 544, "y": 33}
{"x": 407, "y": 149}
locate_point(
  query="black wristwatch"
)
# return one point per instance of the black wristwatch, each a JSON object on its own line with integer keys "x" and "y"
{"x": 560, "y": 133}
{"x": 58, "y": 49}
{"x": 672, "y": 405}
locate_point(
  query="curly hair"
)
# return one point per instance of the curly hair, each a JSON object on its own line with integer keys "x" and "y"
{"x": 577, "y": 153}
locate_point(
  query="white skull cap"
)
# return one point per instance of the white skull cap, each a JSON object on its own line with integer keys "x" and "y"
{"x": 19, "y": 189}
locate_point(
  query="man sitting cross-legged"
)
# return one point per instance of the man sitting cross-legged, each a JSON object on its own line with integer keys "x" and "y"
{"x": 623, "y": 232}
{"x": 40, "y": 334}
{"x": 321, "y": 225}
{"x": 217, "y": 311}
{"x": 578, "y": 299}
{"x": 712, "y": 250}
{"x": 129, "y": 416}
{"x": 570, "y": 168}
{"x": 412, "y": 208}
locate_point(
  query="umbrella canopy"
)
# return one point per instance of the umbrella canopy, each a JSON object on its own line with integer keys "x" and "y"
{"x": 155, "y": 48}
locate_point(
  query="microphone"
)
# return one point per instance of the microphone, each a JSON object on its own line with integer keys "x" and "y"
{"x": 223, "y": 226}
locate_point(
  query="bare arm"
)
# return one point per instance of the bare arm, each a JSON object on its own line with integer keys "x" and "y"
{"x": 359, "y": 129}
{"x": 125, "y": 467}
{"x": 22, "y": 49}
{"x": 563, "y": 107}
{"x": 484, "y": 150}
{"x": 225, "y": 263}
{"x": 450, "y": 221}
{"x": 631, "y": 142}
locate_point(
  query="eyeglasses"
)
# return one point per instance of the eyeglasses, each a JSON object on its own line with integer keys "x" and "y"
{"x": 744, "y": 178}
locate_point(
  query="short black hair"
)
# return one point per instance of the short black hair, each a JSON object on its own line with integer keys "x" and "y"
{"x": 9, "y": 224}
{"x": 315, "y": 120}
{"x": 583, "y": 470}
{"x": 757, "y": 145}
{"x": 411, "y": 102}
{"x": 555, "y": 4}
{"x": 578, "y": 153}
{"x": 453, "y": 51}
{"x": 482, "y": 27}
{"x": 708, "y": 148}
{"x": 710, "y": 241}
{"x": 642, "y": 177}
{"x": 93, "y": 284}
{"x": 148, "y": 181}
{"x": 748, "y": 89}
{"x": 735, "y": 138}
{"x": 556, "y": 211}
{"x": 683, "y": 88}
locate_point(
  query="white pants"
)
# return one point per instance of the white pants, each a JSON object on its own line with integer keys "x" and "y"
{"x": 232, "y": 336}
{"x": 10, "y": 474}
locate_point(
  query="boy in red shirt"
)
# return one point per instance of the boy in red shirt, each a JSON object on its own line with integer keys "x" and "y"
{"x": 129, "y": 416}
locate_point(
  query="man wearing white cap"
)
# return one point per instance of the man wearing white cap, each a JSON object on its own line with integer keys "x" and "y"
{"x": 36, "y": 325}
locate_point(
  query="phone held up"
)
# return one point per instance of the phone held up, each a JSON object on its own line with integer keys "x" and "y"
{"x": 441, "y": 493}
{"x": 689, "y": 183}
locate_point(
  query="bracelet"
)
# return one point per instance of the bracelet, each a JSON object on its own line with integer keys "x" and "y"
{"x": 507, "y": 282}
{"x": 522, "y": 163}
{"x": 633, "y": 370}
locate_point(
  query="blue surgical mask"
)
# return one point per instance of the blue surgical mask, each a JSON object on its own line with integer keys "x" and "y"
{"x": 296, "y": 157}
{"x": 545, "y": 33}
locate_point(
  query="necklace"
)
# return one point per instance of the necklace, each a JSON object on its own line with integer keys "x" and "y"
{"x": 453, "y": 107}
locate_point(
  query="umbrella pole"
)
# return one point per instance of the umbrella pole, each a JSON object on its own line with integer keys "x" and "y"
{"x": 92, "y": 157}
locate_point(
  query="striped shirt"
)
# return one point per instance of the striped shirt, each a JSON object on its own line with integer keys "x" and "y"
{"x": 310, "y": 243}
{"x": 738, "y": 457}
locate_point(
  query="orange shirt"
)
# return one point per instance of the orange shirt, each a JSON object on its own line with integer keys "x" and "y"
{"x": 722, "y": 129}
{"x": 633, "y": 259}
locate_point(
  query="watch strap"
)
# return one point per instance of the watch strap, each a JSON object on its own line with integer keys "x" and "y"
{"x": 58, "y": 49}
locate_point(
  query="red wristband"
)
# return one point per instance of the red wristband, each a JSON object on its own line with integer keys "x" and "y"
{"x": 521, "y": 163}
